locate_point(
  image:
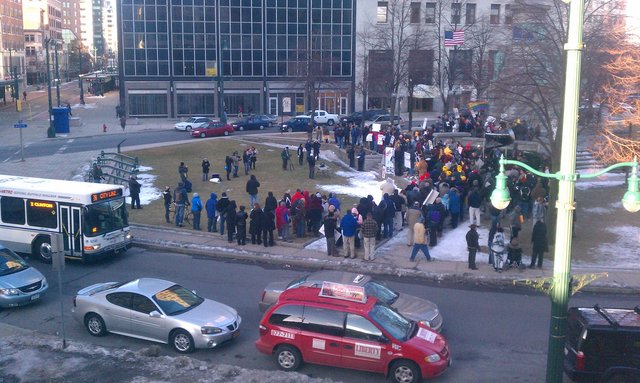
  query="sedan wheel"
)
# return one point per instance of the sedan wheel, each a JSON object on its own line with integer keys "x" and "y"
{"x": 202, "y": 135}
{"x": 288, "y": 358}
{"x": 404, "y": 372}
{"x": 95, "y": 325}
{"x": 188, "y": 128}
{"x": 290, "y": 130}
{"x": 182, "y": 341}
{"x": 241, "y": 128}
{"x": 226, "y": 132}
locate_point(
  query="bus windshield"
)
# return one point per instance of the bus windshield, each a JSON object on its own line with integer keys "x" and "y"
{"x": 105, "y": 217}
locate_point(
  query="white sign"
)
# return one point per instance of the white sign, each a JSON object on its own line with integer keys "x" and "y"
{"x": 427, "y": 335}
{"x": 407, "y": 160}
{"x": 367, "y": 351}
{"x": 286, "y": 104}
{"x": 389, "y": 166}
{"x": 369, "y": 137}
{"x": 375, "y": 127}
{"x": 320, "y": 344}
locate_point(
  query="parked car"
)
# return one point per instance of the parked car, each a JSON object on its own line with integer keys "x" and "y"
{"x": 192, "y": 123}
{"x": 414, "y": 308}
{"x": 213, "y": 129}
{"x": 358, "y": 117}
{"x": 603, "y": 345}
{"x": 341, "y": 326}
{"x": 20, "y": 284}
{"x": 273, "y": 119}
{"x": 296, "y": 124}
{"x": 156, "y": 310}
{"x": 383, "y": 119}
{"x": 252, "y": 122}
{"x": 322, "y": 117}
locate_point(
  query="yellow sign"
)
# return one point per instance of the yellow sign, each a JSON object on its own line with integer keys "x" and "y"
{"x": 211, "y": 72}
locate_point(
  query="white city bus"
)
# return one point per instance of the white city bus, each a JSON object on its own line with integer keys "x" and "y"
{"x": 91, "y": 217}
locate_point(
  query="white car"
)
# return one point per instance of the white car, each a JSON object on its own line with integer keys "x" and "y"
{"x": 322, "y": 117}
{"x": 193, "y": 123}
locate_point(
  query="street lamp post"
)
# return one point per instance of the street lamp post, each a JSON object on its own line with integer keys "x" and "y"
{"x": 51, "y": 132}
{"x": 560, "y": 289}
{"x": 80, "y": 75}
{"x": 57, "y": 81}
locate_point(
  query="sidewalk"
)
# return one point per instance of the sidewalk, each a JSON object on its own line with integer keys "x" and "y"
{"x": 392, "y": 257}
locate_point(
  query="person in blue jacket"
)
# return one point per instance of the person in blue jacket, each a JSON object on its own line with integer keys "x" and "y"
{"x": 455, "y": 204}
{"x": 212, "y": 215}
{"x": 196, "y": 209}
{"x": 349, "y": 225}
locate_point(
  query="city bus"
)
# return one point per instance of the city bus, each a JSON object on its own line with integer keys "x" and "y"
{"x": 91, "y": 217}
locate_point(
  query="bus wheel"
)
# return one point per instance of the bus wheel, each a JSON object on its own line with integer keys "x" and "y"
{"x": 42, "y": 250}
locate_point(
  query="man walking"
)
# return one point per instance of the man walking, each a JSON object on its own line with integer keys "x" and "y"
{"x": 420, "y": 241}
{"x": 252, "y": 189}
{"x": 474, "y": 200}
{"x": 473, "y": 245}
{"x": 369, "y": 231}
{"x": 285, "y": 158}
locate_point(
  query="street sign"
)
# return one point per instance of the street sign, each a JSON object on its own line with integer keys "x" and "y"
{"x": 20, "y": 125}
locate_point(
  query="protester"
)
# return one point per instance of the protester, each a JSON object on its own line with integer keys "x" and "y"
{"x": 166, "y": 196}
{"x": 212, "y": 213}
{"x": 205, "y": 169}
{"x": 420, "y": 242}
{"x": 349, "y": 224}
{"x": 539, "y": 242}
{"x": 196, "y": 209}
{"x": 241, "y": 226}
{"x": 330, "y": 224}
{"x": 473, "y": 245}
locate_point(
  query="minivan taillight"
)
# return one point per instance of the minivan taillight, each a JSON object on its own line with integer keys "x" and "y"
{"x": 580, "y": 361}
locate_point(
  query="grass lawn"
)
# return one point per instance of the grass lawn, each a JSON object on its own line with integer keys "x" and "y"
{"x": 165, "y": 161}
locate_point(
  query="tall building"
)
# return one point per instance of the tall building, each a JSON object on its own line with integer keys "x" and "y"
{"x": 11, "y": 39}
{"x": 42, "y": 20}
{"x": 110, "y": 29}
{"x": 86, "y": 24}
{"x": 182, "y": 58}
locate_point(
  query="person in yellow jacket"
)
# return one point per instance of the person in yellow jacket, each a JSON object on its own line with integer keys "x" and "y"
{"x": 420, "y": 241}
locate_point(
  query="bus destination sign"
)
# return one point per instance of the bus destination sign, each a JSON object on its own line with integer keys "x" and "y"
{"x": 97, "y": 197}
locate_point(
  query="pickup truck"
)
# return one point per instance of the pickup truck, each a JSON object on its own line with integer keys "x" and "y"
{"x": 322, "y": 117}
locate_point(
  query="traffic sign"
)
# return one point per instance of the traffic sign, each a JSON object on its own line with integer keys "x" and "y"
{"x": 20, "y": 125}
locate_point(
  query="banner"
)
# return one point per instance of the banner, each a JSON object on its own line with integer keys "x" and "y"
{"x": 407, "y": 160}
{"x": 389, "y": 167}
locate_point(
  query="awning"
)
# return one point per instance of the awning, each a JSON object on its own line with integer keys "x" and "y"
{"x": 423, "y": 91}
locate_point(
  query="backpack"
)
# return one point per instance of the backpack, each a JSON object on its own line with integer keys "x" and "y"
{"x": 435, "y": 216}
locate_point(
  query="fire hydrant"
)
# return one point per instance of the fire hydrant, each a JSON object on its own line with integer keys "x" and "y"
{"x": 104, "y": 128}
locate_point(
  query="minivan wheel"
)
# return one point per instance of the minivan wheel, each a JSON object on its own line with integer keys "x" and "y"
{"x": 288, "y": 358}
{"x": 404, "y": 371}
{"x": 182, "y": 341}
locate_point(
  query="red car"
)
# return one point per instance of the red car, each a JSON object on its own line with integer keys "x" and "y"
{"x": 338, "y": 325}
{"x": 212, "y": 129}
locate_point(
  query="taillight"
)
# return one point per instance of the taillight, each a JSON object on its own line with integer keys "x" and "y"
{"x": 263, "y": 330}
{"x": 580, "y": 363}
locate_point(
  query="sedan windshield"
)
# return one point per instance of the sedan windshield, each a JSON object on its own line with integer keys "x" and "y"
{"x": 177, "y": 300}
{"x": 381, "y": 292}
{"x": 10, "y": 262}
{"x": 104, "y": 217}
{"x": 393, "y": 323}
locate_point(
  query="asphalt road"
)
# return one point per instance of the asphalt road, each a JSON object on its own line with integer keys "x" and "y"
{"x": 494, "y": 336}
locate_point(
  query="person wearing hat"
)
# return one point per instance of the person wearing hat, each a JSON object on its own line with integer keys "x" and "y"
{"x": 196, "y": 209}
{"x": 221, "y": 207}
{"x": 166, "y": 196}
{"x": 473, "y": 245}
{"x": 413, "y": 216}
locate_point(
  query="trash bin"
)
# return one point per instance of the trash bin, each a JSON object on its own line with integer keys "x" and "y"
{"x": 60, "y": 119}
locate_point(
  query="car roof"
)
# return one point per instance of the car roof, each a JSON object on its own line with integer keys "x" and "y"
{"x": 601, "y": 317}
{"x": 148, "y": 286}
{"x": 311, "y": 295}
{"x": 336, "y": 276}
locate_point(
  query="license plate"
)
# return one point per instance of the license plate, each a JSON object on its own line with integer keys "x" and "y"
{"x": 35, "y": 296}
{"x": 236, "y": 334}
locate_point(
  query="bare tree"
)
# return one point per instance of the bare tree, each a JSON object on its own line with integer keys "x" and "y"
{"x": 484, "y": 39}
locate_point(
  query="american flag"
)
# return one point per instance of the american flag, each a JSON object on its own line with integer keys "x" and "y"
{"x": 453, "y": 38}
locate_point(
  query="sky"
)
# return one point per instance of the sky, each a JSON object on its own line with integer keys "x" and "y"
{"x": 633, "y": 12}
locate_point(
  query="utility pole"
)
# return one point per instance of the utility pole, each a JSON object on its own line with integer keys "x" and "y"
{"x": 55, "y": 44}
{"x": 51, "y": 132}
{"x": 80, "y": 75}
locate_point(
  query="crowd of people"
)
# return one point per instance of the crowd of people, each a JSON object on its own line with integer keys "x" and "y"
{"x": 446, "y": 181}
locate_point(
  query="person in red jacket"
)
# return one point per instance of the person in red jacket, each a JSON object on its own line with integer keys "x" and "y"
{"x": 282, "y": 221}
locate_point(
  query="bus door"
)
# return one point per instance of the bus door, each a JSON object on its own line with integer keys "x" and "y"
{"x": 71, "y": 230}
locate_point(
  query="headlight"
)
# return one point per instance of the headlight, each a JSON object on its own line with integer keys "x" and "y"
{"x": 210, "y": 330}
{"x": 426, "y": 323}
{"x": 92, "y": 247}
{"x": 44, "y": 281}
{"x": 432, "y": 358}
{"x": 9, "y": 291}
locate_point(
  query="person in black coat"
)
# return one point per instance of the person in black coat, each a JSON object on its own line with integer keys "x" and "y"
{"x": 134, "y": 191}
{"x": 351, "y": 154}
{"x": 231, "y": 220}
{"x": 270, "y": 203}
{"x": 268, "y": 226}
{"x": 256, "y": 218}
{"x": 361, "y": 155}
{"x": 241, "y": 226}
{"x": 330, "y": 225}
{"x": 540, "y": 243}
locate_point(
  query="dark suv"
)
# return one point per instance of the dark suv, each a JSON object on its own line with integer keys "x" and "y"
{"x": 358, "y": 117}
{"x": 603, "y": 345}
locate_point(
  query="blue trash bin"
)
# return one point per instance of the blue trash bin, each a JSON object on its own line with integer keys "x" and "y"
{"x": 60, "y": 119}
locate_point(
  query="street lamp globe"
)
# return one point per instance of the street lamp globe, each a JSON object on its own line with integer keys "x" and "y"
{"x": 500, "y": 197}
{"x": 631, "y": 201}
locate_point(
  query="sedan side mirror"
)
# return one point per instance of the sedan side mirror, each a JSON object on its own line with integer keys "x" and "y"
{"x": 155, "y": 314}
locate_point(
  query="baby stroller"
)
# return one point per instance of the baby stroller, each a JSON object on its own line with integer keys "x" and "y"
{"x": 497, "y": 251}
{"x": 514, "y": 251}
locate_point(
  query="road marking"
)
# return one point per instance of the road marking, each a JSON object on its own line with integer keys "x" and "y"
{"x": 65, "y": 146}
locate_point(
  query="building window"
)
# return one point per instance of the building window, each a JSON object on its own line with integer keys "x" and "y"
{"x": 460, "y": 64}
{"x": 456, "y": 10}
{"x": 415, "y": 12}
{"x": 508, "y": 14}
{"x": 495, "y": 14}
{"x": 430, "y": 13}
{"x": 470, "y": 15}
{"x": 383, "y": 11}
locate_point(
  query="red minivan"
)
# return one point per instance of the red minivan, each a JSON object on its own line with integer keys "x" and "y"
{"x": 338, "y": 325}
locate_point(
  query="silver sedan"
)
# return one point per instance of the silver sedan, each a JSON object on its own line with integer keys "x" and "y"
{"x": 411, "y": 307}
{"x": 156, "y": 310}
